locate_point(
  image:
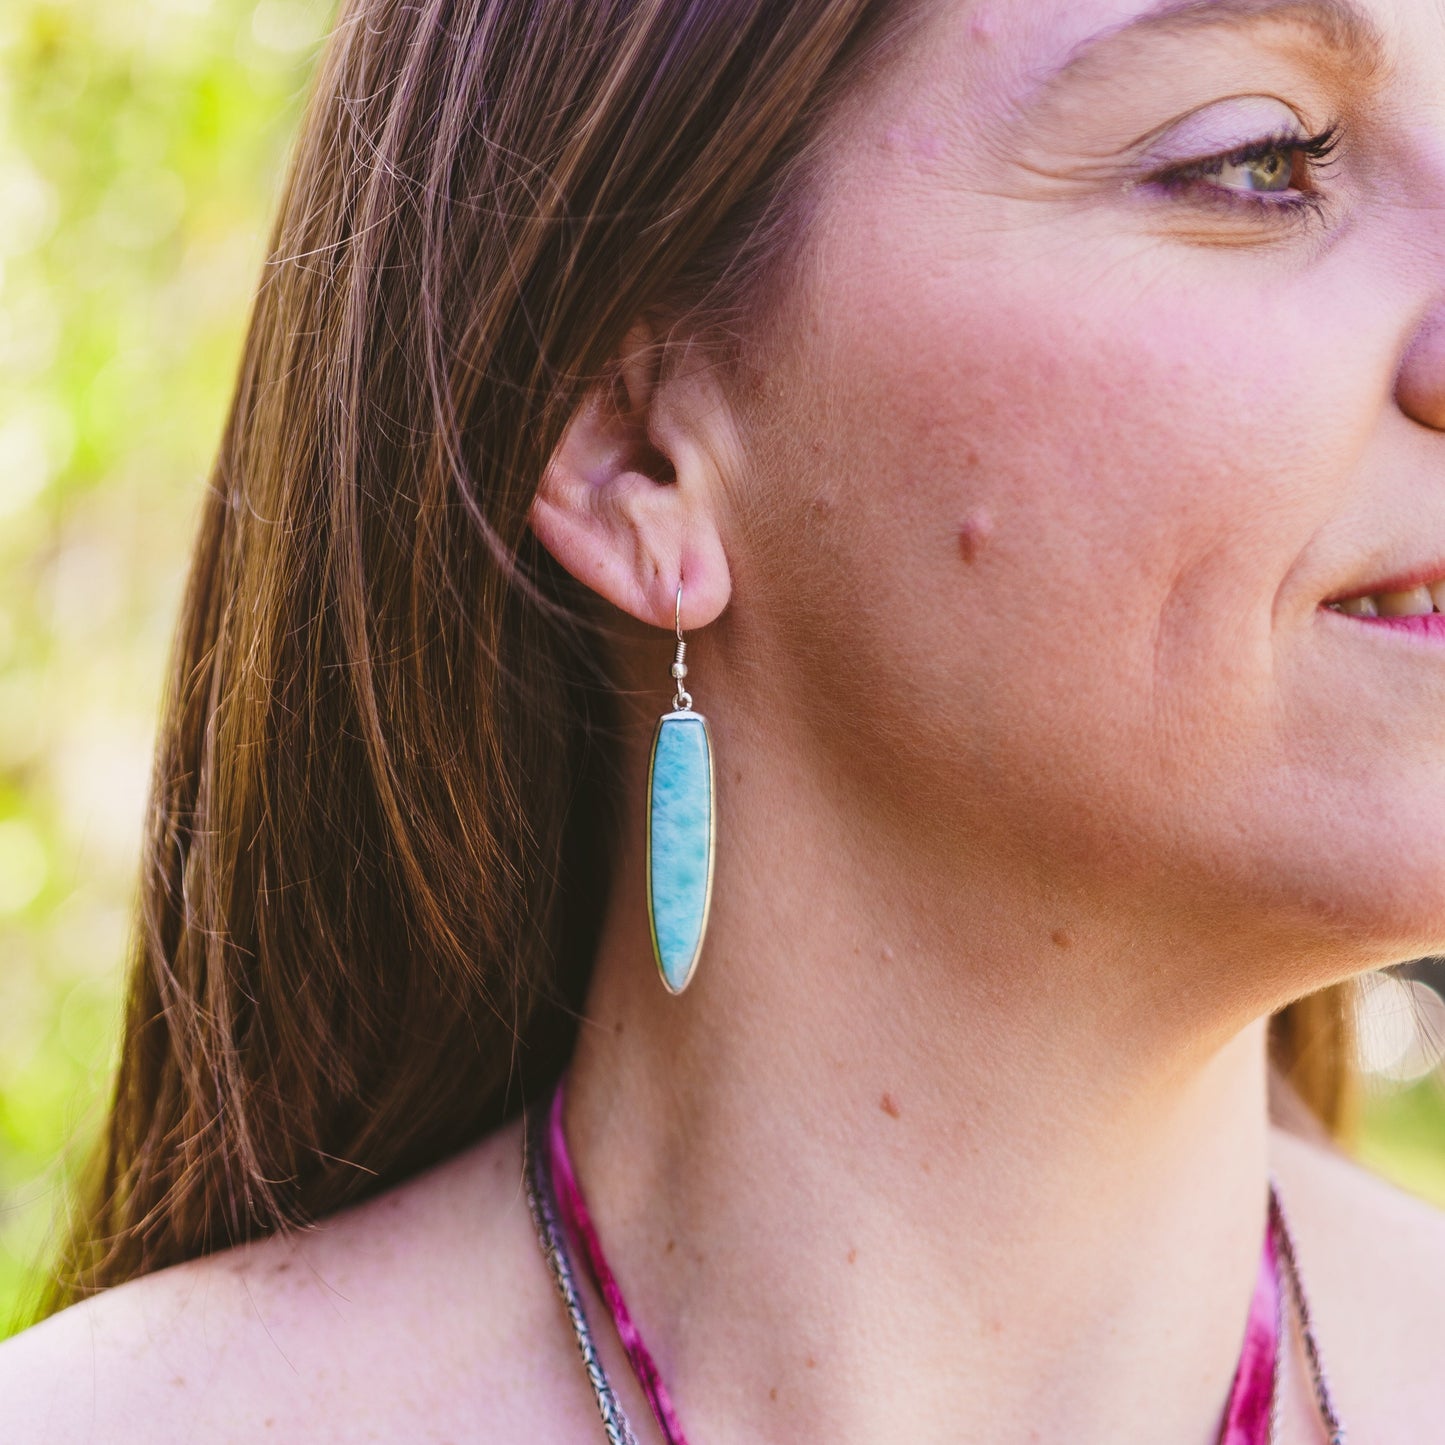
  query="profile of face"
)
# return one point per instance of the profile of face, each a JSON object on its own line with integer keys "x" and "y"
{"x": 1116, "y": 353}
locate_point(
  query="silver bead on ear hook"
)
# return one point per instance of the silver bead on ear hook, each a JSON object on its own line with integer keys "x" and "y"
{"x": 681, "y": 698}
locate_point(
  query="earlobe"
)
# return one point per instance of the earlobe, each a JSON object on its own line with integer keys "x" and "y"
{"x": 626, "y": 515}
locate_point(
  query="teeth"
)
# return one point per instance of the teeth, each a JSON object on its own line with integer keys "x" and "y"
{"x": 1414, "y": 603}
{"x": 1359, "y": 607}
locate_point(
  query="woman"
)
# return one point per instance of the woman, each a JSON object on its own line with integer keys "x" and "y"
{"x": 1029, "y": 415}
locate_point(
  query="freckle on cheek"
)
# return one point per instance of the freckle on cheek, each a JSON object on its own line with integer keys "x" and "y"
{"x": 973, "y": 532}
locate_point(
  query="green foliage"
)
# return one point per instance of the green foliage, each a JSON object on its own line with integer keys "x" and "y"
{"x": 1403, "y": 1136}
{"x": 141, "y": 146}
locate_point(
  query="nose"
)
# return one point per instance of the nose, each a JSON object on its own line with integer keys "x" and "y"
{"x": 1420, "y": 385}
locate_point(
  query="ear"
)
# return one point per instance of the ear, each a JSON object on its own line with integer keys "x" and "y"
{"x": 629, "y": 502}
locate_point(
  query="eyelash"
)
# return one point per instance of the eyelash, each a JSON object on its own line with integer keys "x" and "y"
{"x": 1314, "y": 148}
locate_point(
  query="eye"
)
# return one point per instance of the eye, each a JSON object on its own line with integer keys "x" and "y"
{"x": 1265, "y": 175}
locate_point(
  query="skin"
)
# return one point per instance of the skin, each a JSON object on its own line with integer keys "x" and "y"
{"x": 1043, "y": 778}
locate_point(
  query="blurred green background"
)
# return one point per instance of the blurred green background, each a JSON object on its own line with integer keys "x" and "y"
{"x": 141, "y": 146}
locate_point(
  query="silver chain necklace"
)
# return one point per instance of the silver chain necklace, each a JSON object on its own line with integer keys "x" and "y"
{"x": 1294, "y": 1286}
{"x": 542, "y": 1202}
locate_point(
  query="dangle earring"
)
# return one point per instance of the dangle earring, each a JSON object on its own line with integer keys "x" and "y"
{"x": 681, "y": 830}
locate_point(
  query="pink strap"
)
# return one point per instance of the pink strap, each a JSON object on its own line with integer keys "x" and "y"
{"x": 1246, "y": 1418}
{"x": 578, "y": 1223}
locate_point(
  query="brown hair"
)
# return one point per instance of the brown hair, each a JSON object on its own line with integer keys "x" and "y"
{"x": 380, "y": 816}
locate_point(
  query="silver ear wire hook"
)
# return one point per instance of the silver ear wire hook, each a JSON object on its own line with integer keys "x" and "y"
{"x": 682, "y": 699}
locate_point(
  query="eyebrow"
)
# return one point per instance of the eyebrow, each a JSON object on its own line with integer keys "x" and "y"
{"x": 1341, "y": 26}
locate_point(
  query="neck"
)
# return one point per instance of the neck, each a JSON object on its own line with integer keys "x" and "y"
{"x": 891, "y": 1169}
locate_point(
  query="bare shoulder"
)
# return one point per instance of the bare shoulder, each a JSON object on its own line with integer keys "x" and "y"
{"x": 1373, "y": 1261}
{"x": 409, "y": 1316}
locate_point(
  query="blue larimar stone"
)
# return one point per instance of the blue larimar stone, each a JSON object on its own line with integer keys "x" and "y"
{"x": 680, "y": 841}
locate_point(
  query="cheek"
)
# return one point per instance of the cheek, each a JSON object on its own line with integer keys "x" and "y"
{"x": 1117, "y": 444}
{"x": 1106, "y": 494}
{"x": 1060, "y": 512}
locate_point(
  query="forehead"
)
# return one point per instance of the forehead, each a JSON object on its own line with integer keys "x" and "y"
{"x": 1027, "y": 49}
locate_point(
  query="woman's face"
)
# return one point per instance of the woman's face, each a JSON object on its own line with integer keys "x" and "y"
{"x": 1063, "y": 458}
